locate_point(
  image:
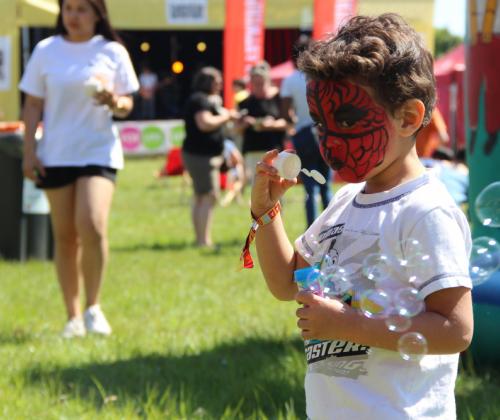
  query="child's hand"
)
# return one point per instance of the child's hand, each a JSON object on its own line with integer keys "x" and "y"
{"x": 323, "y": 319}
{"x": 268, "y": 186}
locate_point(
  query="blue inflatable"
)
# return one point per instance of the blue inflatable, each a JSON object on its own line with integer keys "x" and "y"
{"x": 485, "y": 346}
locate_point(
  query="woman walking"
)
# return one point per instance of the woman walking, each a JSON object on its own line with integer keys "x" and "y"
{"x": 79, "y": 79}
{"x": 202, "y": 150}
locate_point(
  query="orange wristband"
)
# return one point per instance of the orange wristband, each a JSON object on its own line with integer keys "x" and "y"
{"x": 246, "y": 260}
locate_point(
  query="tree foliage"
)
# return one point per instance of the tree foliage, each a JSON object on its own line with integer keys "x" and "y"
{"x": 444, "y": 41}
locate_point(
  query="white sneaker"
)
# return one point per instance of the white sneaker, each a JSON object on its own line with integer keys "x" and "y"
{"x": 73, "y": 328}
{"x": 95, "y": 321}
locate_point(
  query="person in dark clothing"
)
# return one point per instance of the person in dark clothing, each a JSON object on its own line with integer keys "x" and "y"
{"x": 262, "y": 125}
{"x": 202, "y": 150}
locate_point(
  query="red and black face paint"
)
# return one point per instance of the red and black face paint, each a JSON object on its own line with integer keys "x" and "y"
{"x": 353, "y": 130}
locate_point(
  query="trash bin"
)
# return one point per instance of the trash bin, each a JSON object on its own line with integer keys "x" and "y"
{"x": 25, "y": 230}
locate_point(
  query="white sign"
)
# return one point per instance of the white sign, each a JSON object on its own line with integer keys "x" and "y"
{"x": 5, "y": 60}
{"x": 187, "y": 12}
{"x": 34, "y": 199}
{"x": 150, "y": 137}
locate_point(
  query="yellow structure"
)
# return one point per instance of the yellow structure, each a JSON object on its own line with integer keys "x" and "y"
{"x": 154, "y": 15}
{"x": 418, "y": 13}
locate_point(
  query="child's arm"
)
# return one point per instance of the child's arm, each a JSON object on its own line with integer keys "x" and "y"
{"x": 447, "y": 323}
{"x": 277, "y": 258}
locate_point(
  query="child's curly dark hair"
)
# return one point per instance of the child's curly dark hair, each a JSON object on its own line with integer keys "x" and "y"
{"x": 382, "y": 52}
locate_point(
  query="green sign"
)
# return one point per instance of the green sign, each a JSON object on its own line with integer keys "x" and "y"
{"x": 152, "y": 137}
{"x": 177, "y": 135}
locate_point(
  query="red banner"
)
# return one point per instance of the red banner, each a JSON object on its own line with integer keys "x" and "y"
{"x": 243, "y": 41}
{"x": 330, "y": 14}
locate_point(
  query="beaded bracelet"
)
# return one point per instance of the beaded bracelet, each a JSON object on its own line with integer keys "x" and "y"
{"x": 246, "y": 260}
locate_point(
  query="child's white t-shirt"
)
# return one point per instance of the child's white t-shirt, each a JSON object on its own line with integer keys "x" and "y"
{"x": 350, "y": 381}
{"x": 76, "y": 131}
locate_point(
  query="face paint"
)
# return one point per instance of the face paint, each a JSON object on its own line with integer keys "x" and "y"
{"x": 353, "y": 130}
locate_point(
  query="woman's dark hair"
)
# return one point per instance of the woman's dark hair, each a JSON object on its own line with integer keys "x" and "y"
{"x": 382, "y": 52}
{"x": 203, "y": 81}
{"x": 103, "y": 26}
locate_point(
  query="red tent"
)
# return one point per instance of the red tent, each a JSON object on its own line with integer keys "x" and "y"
{"x": 449, "y": 70}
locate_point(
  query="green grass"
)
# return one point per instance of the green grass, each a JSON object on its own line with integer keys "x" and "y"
{"x": 192, "y": 338}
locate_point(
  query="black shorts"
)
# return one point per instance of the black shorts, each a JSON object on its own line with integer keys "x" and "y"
{"x": 60, "y": 176}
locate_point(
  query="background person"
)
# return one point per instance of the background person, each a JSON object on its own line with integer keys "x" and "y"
{"x": 452, "y": 171}
{"x": 433, "y": 135}
{"x": 295, "y": 110}
{"x": 202, "y": 149}
{"x": 262, "y": 125}
{"x": 148, "y": 81}
{"x": 77, "y": 159}
{"x": 240, "y": 90}
{"x": 234, "y": 167}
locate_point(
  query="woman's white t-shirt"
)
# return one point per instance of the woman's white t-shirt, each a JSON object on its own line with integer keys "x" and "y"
{"x": 77, "y": 132}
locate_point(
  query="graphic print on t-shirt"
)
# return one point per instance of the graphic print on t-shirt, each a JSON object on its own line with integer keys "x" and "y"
{"x": 337, "y": 358}
{"x": 347, "y": 247}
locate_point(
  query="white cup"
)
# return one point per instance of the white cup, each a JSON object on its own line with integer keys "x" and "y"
{"x": 92, "y": 86}
{"x": 288, "y": 165}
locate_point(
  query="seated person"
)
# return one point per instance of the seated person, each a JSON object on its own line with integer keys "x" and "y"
{"x": 452, "y": 171}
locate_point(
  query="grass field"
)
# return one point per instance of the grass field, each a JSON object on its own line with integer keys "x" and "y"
{"x": 193, "y": 338}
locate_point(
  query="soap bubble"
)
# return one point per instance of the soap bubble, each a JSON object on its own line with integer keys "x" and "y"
{"x": 419, "y": 259}
{"x": 407, "y": 302}
{"x": 335, "y": 281}
{"x": 312, "y": 282}
{"x": 484, "y": 259}
{"x": 412, "y": 346}
{"x": 326, "y": 262}
{"x": 398, "y": 323}
{"x": 312, "y": 240}
{"x": 375, "y": 303}
{"x": 410, "y": 246}
{"x": 312, "y": 246}
{"x": 376, "y": 267}
{"x": 411, "y": 257}
{"x": 487, "y": 205}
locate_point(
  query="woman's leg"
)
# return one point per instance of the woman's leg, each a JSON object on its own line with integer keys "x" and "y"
{"x": 94, "y": 195}
{"x": 205, "y": 173}
{"x": 195, "y": 218}
{"x": 205, "y": 211}
{"x": 62, "y": 213}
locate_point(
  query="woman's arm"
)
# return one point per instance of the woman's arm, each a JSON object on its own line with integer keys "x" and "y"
{"x": 273, "y": 124}
{"x": 206, "y": 121}
{"x": 120, "y": 105}
{"x": 32, "y": 113}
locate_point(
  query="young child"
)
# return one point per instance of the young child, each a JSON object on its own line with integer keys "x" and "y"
{"x": 370, "y": 89}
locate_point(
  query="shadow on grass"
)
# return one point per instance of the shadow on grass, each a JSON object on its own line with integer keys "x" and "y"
{"x": 17, "y": 336}
{"x": 478, "y": 388}
{"x": 246, "y": 377}
{"x": 177, "y": 246}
